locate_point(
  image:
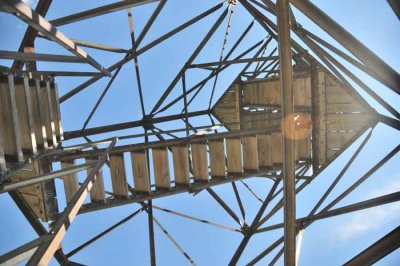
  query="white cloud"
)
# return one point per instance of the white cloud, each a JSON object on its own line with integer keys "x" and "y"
{"x": 364, "y": 221}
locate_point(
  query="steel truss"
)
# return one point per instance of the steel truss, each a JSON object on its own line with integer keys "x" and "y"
{"x": 293, "y": 178}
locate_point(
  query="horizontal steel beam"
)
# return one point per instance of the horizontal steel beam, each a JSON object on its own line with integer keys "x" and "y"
{"x": 378, "y": 250}
{"x": 40, "y": 57}
{"x": 98, "y": 11}
{"x": 237, "y": 61}
{"x": 137, "y": 123}
{"x": 196, "y": 187}
{"x": 39, "y": 23}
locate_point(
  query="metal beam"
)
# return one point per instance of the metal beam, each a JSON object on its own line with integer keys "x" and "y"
{"x": 30, "y": 35}
{"x": 40, "y": 57}
{"x": 53, "y": 240}
{"x": 137, "y": 123}
{"x": 378, "y": 250}
{"x": 130, "y": 56}
{"x": 25, "y": 13}
{"x": 288, "y": 131}
{"x": 388, "y": 76}
{"x": 98, "y": 11}
{"x": 395, "y": 5}
{"x": 230, "y": 62}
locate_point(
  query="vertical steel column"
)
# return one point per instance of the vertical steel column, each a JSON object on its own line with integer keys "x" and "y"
{"x": 286, "y": 80}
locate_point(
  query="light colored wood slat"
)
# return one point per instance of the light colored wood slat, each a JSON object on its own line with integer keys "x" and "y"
{"x": 347, "y": 122}
{"x": 234, "y": 156}
{"x": 118, "y": 176}
{"x": 45, "y": 110}
{"x": 97, "y": 193}
{"x": 161, "y": 168}
{"x": 304, "y": 148}
{"x": 344, "y": 107}
{"x": 199, "y": 160}
{"x": 51, "y": 113}
{"x": 180, "y": 156}
{"x": 321, "y": 123}
{"x": 3, "y": 166}
{"x": 56, "y": 111}
{"x": 264, "y": 147}
{"x": 250, "y": 153}
{"x": 70, "y": 181}
{"x": 38, "y": 115}
{"x": 140, "y": 171}
{"x": 15, "y": 119}
{"x": 28, "y": 99}
{"x": 28, "y": 141}
{"x": 277, "y": 148}
{"x": 57, "y": 97}
{"x": 335, "y": 94}
{"x": 217, "y": 158}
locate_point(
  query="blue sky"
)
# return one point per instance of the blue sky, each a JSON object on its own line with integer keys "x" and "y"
{"x": 330, "y": 242}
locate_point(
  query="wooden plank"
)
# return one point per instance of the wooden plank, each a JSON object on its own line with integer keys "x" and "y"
{"x": 217, "y": 158}
{"x": 277, "y": 148}
{"x": 38, "y": 116}
{"x": 264, "y": 148}
{"x": 28, "y": 99}
{"x": 28, "y": 140}
{"x": 51, "y": 113}
{"x": 180, "y": 156}
{"x": 199, "y": 160}
{"x": 304, "y": 148}
{"x": 15, "y": 119}
{"x": 6, "y": 121}
{"x": 347, "y": 122}
{"x": 321, "y": 123}
{"x": 70, "y": 181}
{"x": 250, "y": 153}
{"x": 234, "y": 155}
{"x": 3, "y": 166}
{"x": 140, "y": 171}
{"x": 161, "y": 168}
{"x": 97, "y": 193}
{"x": 45, "y": 111}
{"x": 56, "y": 111}
{"x": 344, "y": 108}
{"x": 118, "y": 176}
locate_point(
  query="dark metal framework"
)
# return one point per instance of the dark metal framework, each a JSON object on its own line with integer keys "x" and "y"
{"x": 257, "y": 65}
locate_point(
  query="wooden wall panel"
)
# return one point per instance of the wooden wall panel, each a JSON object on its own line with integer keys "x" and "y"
{"x": 277, "y": 148}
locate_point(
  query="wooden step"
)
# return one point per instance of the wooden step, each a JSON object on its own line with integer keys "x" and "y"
{"x": 24, "y": 110}
{"x": 264, "y": 148}
{"x": 234, "y": 155}
{"x": 277, "y": 148}
{"x": 97, "y": 193}
{"x": 38, "y": 116}
{"x": 217, "y": 158}
{"x": 56, "y": 112}
{"x": 199, "y": 161}
{"x": 70, "y": 181}
{"x": 9, "y": 118}
{"x": 250, "y": 153}
{"x": 161, "y": 168}
{"x": 140, "y": 171}
{"x": 118, "y": 176}
{"x": 180, "y": 156}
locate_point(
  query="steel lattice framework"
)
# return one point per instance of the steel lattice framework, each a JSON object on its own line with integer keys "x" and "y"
{"x": 286, "y": 50}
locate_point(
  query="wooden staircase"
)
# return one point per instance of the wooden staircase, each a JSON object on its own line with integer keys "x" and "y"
{"x": 173, "y": 166}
